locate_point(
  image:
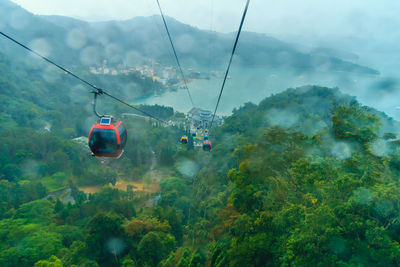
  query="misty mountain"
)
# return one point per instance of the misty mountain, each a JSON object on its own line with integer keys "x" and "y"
{"x": 306, "y": 109}
{"x": 132, "y": 42}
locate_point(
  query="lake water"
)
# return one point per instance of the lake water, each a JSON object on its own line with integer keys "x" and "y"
{"x": 256, "y": 83}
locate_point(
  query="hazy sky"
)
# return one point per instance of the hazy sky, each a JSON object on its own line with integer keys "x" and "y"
{"x": 369, "y": 28}
{"x": 276, "y": 17}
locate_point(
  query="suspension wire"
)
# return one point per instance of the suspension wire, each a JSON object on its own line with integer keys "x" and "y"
{"x": 131, "y": 106}
{"x": 98, "y": 91}
{"x": 158, "y": 26}
{"x": 176, "y": 56}
{"x": 230, "y": 60}
{"x": 50, "y": 61}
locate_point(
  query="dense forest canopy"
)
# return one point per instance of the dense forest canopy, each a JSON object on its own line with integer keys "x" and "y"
{"x": 308, "y": 176}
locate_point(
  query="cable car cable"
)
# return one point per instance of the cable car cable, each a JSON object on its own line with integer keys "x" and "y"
{"x": 98, "y": 91}
{"x": 159, "y": 28}
{"x": 49, "y": 61}
{"x": 230, "y": 60}
{"x": 131, "y": 106}
{"x": 176, "y": 56}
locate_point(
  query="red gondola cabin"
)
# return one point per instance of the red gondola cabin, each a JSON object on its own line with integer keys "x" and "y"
{"x": 207, "y": 146}
{"x": 107, "y": 139}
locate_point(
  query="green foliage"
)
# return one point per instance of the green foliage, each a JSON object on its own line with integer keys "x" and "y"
{"x": 354, "y": 123}
{"x": 161, "y": 112}
{"x": 293, "y": 181}
{"x": 172, "y": 188}
{"x": 197, "y": 259}
{"x": 128, "y": 263}
{"x": 293, "y": 201}
{"x": 35, "y": 211}
{"x": 101, "y": 228}
{"x": 26, "y": 243}
{"x": 52, "y": 262}
{"x": 154, "y": 246}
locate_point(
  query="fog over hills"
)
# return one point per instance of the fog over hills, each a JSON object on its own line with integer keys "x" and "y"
{"x": 73, "y": 42}
{"x": 262, "y": 65}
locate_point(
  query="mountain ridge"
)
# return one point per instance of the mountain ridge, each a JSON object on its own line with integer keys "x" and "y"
{"x": 112, "y": 40}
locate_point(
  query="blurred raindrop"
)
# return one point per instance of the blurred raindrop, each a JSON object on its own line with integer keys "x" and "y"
{"x": 132, "y": 58}
{"x": 30, "y": 168}
{"x": 115, "y": 246}
{"x": 341, "y": 150}
{"x": 337, "y": 245}
{"x": 78, "y": 95}
{"x": 314, "y": 126}
{"x": 384, "y": 208}
{"x": 131, "y": 90}
{"x": 87, "y": 124}
{"x": 184, "y": 43}
{"x": 90, "y": 56}
{"x": 281, "y": 117}
{"x": 188, "y": 168}
{"x": 113, "y": 53}
{"x": 19, "y": 19}
{"x": 76, "y": 39}
{"x": 50, "y": 74}
{"x": 380, "y": 148}
{"x": 41, "y": 46}
{"x": 363, "y": 196}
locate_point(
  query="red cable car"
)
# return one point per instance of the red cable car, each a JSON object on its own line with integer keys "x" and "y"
{"x": 107, "y": 139}
{"x": 207, "y": 145}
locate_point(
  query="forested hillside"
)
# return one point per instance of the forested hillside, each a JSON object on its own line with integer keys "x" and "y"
{"x": 307, "y": 177}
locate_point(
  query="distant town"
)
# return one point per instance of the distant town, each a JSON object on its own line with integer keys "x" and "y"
{"x": 168, "y": 76}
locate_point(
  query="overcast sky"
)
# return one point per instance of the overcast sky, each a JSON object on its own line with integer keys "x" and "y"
{"x": 276, "y": 17}
{"x": 365, "y": 27}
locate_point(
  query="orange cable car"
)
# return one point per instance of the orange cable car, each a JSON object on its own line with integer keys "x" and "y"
{"x": 107, "y": 139}
{"x": 207, "y": 145}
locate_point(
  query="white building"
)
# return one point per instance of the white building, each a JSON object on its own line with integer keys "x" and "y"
{"x": 201, "y": 116}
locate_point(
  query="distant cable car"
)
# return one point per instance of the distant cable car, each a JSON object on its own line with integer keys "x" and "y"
{"x": 206, "y": 137}
{"x": 184, "y": 140}
{"x": 107, "y": 139}
{"x": 207, "y": 146}
{"x": 198, "y": 127}
{"x": 194, "y": 134}
{"x": 206, "y": 130}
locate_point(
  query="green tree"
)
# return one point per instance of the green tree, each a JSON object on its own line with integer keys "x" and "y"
{"x": 52, "y": 262}
{"x": 100, "y": 229}
{"x": 150, "y": 248}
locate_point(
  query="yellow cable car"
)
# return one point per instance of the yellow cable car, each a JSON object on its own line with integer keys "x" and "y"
{"x": 184, "y": 140}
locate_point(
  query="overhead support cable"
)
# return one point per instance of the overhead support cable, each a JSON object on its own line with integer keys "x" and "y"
{"x": 98, "y": 91}
{"x": 176, "y": 56}
{"x": 230, "y": 60}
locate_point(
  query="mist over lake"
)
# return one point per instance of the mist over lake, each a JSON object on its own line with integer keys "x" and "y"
{"x": 254, "y": 83}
